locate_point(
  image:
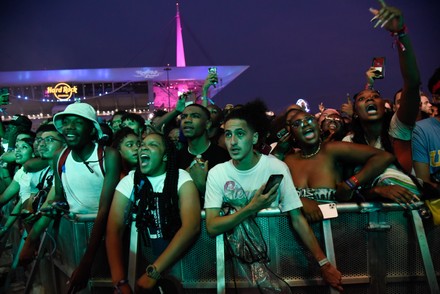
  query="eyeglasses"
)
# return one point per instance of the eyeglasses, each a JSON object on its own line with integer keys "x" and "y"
{"x": 49, "y": 140}
{"x": 300, "y": 122}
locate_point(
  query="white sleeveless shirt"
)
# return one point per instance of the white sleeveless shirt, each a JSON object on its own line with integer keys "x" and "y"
{"x": 83, "y": 188}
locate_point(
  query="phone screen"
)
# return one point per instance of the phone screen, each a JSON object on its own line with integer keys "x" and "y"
{"x": 379, "y": 67}
{"x": 281, "y": 133}
{"x": 273, "y": 180}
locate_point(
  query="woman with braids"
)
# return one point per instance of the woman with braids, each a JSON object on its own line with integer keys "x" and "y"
{"x": 374, "y": 126}
{"x": 166, "y": 206}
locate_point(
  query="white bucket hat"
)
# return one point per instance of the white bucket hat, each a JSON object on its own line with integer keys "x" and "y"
{"x": 83, "y": 110}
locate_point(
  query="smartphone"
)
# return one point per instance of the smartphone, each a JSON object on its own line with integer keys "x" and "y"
{"x": 213, "y": 70}
{"x": 328, "y": 210}
{"x": 281, "y": 133}
{"x": 4, "y": 96}
{"x": 272, "y": 181}
{"x": 379, "y": 67}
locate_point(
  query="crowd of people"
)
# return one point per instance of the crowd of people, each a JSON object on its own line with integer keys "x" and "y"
{"x": 159, "y": 174}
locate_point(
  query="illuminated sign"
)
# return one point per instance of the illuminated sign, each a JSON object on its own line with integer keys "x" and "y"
{"x": 147, "y": 73}
{"x": 62, "y": 91}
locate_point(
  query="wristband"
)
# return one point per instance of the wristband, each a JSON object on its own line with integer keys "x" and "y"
{"x": 355, "y": 181}
{"x": 323, "y": 262}
{"x": 206, "y": 98}
{"x": 118, "y": 285}
{"x": 398, "y": 35}
{"x": 369, "y": 86}
{"x": 350, "y": 184}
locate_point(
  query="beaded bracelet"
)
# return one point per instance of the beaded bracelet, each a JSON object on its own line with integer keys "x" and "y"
{"x": 118, "y": 285}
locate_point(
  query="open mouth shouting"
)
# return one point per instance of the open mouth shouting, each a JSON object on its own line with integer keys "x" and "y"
{"x": 144, "y": 159}
{"x": 309, "y": 133}
{"x": 371, "y": 109}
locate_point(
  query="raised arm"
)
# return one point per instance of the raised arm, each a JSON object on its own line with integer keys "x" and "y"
{"x": 211, "y": 80}
{"x": 172, "y": 115}
{"x": 391, "y": 19}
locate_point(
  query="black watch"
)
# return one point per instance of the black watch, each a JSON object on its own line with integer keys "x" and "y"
{"x": 152, "y": 272}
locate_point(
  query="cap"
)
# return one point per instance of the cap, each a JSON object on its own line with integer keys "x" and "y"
{"x": 83, "y": 110}
{"x": 21, "y": 120}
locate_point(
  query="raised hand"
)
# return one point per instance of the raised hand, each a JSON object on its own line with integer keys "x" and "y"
{"x": 387, "y": 17}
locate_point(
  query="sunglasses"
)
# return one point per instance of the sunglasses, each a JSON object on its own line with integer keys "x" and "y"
{"x": 300, "y": 122}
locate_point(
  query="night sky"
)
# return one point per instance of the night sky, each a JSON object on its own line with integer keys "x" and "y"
{"x": 316, "y": 50}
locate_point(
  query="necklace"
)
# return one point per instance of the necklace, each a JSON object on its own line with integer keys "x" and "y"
{"x": 377, "y": 143}
{"x": 313, "y": 154}
{"x": 209, "y": 144}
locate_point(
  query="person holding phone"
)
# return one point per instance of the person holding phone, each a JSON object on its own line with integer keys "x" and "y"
{"x": 372, "y": 125}
{"x": 210, "y": 81}
{"x": 238, "y": 184}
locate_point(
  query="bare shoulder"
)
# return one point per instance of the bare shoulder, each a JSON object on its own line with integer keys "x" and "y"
{"x": 291, "y": 156}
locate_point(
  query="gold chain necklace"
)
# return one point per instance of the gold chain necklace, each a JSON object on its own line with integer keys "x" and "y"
{"x": 313, "y": 154}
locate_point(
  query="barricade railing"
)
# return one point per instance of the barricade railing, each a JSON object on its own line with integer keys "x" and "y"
{"x": 379, "y": 248}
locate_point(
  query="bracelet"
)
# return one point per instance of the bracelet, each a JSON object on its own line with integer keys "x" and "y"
{"x": 398, "y": 35}
{"x": 350, "y": 184}
{"x": 206, "y": 98}
{"x": 323, "y": 262}
{"x": 355, "y": 181}
{"x": 369, "y": 86}
{"x": 118, "y": 285}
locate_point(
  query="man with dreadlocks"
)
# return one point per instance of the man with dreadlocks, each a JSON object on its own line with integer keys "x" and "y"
{"x": 166, "y": 206}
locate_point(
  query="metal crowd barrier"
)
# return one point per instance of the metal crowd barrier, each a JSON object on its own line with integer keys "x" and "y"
{"x": 379, "y": 248}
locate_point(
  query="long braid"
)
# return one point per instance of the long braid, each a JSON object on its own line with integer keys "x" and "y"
{"x": 168, "y": 200}
{"x": 172, "y": 214}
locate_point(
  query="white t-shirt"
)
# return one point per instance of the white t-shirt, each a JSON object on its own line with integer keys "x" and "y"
{"x": 227, "y": 184}
{"x": 27, "y": 186}
{"x": 397, "y": 130}
{"x": 125, "y": 186}
{"x": 23, "y": 179}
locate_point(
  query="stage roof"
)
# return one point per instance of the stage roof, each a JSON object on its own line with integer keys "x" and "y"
{"x": 133, "y": 74}
{"x": 177, "y": 78}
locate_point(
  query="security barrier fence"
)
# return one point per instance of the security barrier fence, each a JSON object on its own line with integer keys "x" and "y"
{"x": 379, "y": 248}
